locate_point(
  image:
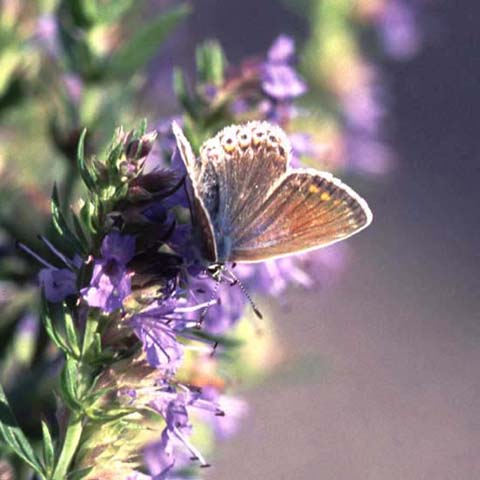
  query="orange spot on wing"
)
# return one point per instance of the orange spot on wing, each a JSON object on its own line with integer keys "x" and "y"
{"x": 325, "y": 196}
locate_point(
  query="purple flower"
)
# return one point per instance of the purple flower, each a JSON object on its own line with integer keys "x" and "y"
{"x": 304, "y": 146}
{"x": 46, "y": 33}
{"x": 399, "y": 29}
{"x": 282, "y": 50}
{"x": 57, "y": 283}
{"x": 279, "y": 80}
{"x": 110, "y": 282}
{"x": 272, "y": 277}
{"x": 157, "y": 328}
{"x": 174, "y": 448}
{"x": 235, "y": 409}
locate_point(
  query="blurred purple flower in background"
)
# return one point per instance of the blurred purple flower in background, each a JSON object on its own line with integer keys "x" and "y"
{"x": 46, "y": 34}
{"x": 399, "y": 30}
{"x": 279, "y": 79}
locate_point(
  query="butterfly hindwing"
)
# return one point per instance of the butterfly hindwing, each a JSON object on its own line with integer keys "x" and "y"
{"x": 307, "y": 210}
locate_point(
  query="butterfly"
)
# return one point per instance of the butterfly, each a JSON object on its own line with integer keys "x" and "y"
{"x": 249, "y": 205}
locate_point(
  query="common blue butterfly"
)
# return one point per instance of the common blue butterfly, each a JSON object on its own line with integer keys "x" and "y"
{"x": 249, "y": 205}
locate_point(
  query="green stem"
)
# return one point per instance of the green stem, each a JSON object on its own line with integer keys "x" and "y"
{"x": 70, "y": 444}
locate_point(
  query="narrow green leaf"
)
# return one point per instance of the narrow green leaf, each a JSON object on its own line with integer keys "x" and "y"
{"x": 182, "y": 93}
{"x": 15, "y": 438}
{"x": 142, "y": 129}
{"x": 79, "y": 230}
{"x": 109, "y": 11}
{"x": 211, "y": 63}
{"x": 71, "y": 333}
{"x": 146, "y": 42}
{"x": 89, "y": 337}
{"x": 61, "y": 225}
{"x": 87, "y": 213}
{"x": 48, "y": 448}
{"x": 69, "y": 385}
{"x": 87, "y": 176}
{"x": 52, "y": 332}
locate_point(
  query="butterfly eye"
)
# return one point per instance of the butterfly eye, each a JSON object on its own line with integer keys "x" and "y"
{"x": 244, "y": 138}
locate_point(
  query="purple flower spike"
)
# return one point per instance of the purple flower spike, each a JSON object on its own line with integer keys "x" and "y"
{"x": 282, "y": 50}
{"x": 58, "y": 283}
{"x": 279, "y": 80}
{"x": 110, "y": 283}
{"x": 399, "y": 29}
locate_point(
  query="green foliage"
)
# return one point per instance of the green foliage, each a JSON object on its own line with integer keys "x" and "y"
{"x": 211, "y": 63}
{"x": 145, "y": 43}
{"x": 48, "y": 448}
{"x": 13, "y": 436}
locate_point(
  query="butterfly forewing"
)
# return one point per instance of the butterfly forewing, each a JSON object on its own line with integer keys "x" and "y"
{"x": 207, "y": 180}
{"x": 246, "y": 158}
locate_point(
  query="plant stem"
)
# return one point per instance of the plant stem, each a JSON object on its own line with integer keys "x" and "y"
{"x": 70, "y": 444}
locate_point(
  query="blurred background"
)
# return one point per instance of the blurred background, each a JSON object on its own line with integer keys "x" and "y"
{"x": 379, "y": 376}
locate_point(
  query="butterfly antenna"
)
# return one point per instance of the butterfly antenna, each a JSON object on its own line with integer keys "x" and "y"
{"x": 245, "y": 292}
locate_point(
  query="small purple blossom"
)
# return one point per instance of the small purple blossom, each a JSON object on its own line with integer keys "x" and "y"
{"x": 57, "y": 283}
{"x": 157, "y": 328}
{"x": 272, "y": 277}
{"x": 303, "y": 145}
{"x": 235, "y": 409}
{"x": 174, "y": 448}
{"x": 279, "y": 79}
{"x": 399, "y": 29}
{"x": 110, "y": 283}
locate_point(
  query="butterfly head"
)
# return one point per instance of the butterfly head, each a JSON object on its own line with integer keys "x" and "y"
{"x": 216, "y": 270}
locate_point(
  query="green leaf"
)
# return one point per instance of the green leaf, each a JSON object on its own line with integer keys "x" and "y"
{"x": 182, "y": 93}
{"x": 87, "y": 176}
{"x": 61, "y": 225}
{"x": 89, "y": 345}
{"x": 52, "y": 332}
{"x": 109, "y": 11}
{"x": 69, "y": 385}
{"x": 15, "y": 438}
{"x": 146, "y": 42}
{"x": 71, "y": 333}
{"x": 79, "y": 230}
{"x": 48, "y": 448}
{"x": 211, "y": 63}
{"x": 87, "y": 214}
